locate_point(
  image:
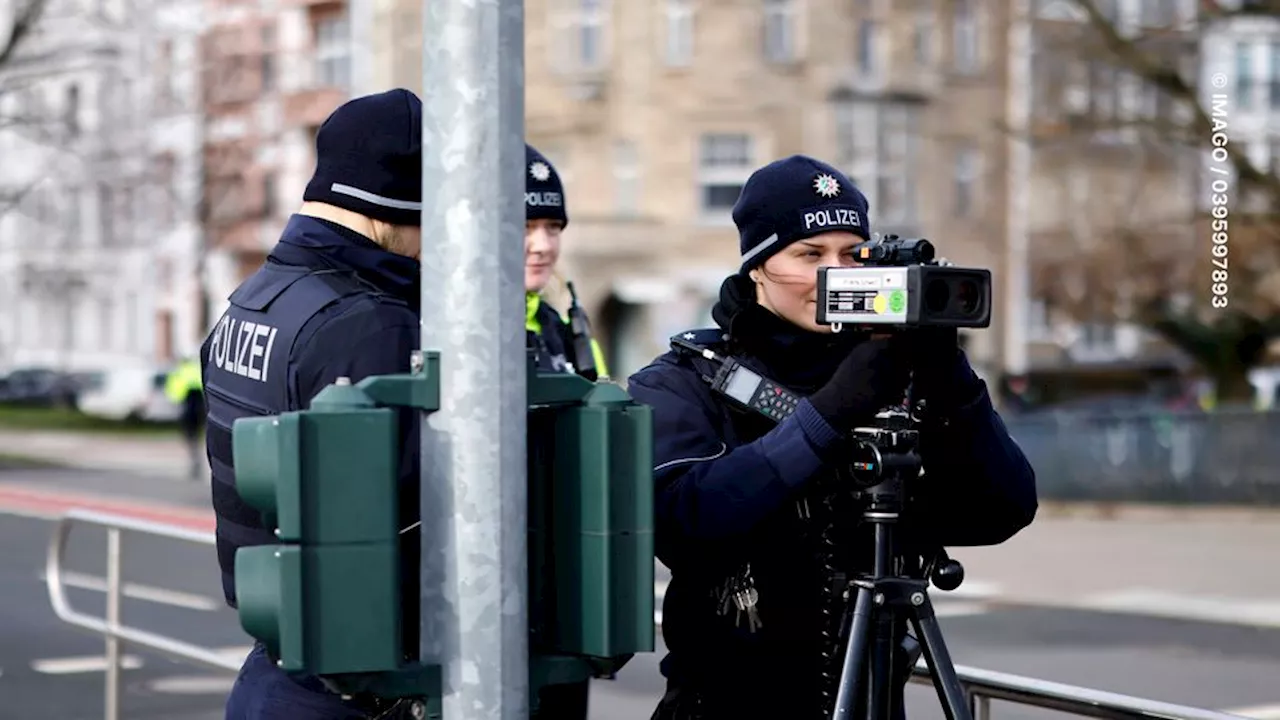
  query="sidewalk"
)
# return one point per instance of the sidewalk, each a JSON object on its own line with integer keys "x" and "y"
{"x": 150, "y": 455}
{"x": 1194, "y": 563}
{"x": 1215, "y": 566}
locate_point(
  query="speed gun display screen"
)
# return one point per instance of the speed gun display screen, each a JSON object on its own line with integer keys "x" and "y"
{"x": 866, "y": 295}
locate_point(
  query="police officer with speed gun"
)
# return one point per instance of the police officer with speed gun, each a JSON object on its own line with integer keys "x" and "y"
{"x": 337, "y": 297}
{"x": 745, "y": 515}
{"x": 560, "y": 345}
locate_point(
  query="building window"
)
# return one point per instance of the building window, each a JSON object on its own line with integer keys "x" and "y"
{"x": 725, "y": 162}
{"x": 1244, "y": 75}
{"x": 268, "y": 59}
{"x": 779, "y": 31}
{"x": 333, "y": 52}
{"x": 1274, "y": 79}
{"x": 965, "y": 177}
{"x": 964, "y": 34}
{"x": 679, "y": 20}
{"x": 591, "y": 34}
{"x": 71, "y": 111}
{"x": 877, "y": 145}
{"x": 269, "y": 195}
{"x": 1159, "y": 13}
{"x": 922, "y": 39}
{"x": 626, "y": 178}
{"x": 867, "y": 37}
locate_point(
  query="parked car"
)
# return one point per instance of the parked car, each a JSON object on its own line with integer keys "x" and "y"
{"x": 129, "y": 394}
{"x": 40, "y": 387}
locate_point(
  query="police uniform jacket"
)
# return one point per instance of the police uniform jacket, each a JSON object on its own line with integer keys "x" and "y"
{"x": 327, "y": 303}
{"x": 727, "y": 486}
{"x": 551, "y": 338}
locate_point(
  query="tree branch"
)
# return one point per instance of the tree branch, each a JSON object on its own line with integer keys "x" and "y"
{"x": 1169, "y": 81}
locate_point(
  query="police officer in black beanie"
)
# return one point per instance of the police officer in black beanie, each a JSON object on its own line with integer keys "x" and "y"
{"x": 338, "y": 296}
{"x": 562, "y": 346}
{"x": 744, "y": 503}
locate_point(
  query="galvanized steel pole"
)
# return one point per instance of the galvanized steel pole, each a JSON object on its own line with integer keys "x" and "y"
{"x": 474, "y": 583}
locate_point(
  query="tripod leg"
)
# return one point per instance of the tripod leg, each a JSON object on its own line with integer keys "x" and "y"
{"x": 950, "y": 691}
{"x": 855, "y": 652}
{"x": 880, "y": 682}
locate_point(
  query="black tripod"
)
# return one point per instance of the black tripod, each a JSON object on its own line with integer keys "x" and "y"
{"x": 887, "y": 458}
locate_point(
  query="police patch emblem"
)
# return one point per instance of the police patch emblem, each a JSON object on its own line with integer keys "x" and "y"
{"x": 826, "y": 186}
{"x": 539, "y": 171}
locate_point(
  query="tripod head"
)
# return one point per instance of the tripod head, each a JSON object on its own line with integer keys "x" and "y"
{"x": 885, "y": 462}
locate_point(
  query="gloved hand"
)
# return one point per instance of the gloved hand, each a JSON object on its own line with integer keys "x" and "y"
{"x": 874, "y": 375}
{"x": 943, "y": 378}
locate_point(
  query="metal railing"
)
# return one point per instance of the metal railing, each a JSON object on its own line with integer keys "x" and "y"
{"x": 981, "y": 686}
{"x": 110, "y": 627}
{"x": 1227, "y": 457}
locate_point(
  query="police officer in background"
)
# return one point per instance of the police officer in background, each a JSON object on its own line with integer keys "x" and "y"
{"x": 741, "y": 500}
{"x": 562, "y": 346}
{"x": 337, "y": 297}
{"x": 559, "y": 346}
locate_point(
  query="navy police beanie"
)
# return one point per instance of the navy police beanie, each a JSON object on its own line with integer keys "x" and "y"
{"x": 792, "y": 199}
{"x": 543, "y": 192}
{"x": 369, "y": 158}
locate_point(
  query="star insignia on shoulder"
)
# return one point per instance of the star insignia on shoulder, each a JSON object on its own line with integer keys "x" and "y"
{"x": 540, "y": 171}
{"x": 826, "y": 186}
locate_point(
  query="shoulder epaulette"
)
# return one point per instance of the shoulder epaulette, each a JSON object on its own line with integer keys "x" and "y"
{"x": 702, "y": 337}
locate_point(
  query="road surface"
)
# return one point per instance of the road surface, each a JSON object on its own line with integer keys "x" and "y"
{"x": 49, "y": 669}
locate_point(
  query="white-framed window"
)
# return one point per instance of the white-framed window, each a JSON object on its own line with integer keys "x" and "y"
{"x": 725, "y": 161}
{"x": 878, "y": 145}
{"x": 1244, "y": 75}
{"x": 868, "y": 41}
{"x": 579, "y": 31}
{"x": 333, "y": 52}
{"x": 626, "y": 178}
{"x": 678, "y": 15}
{"x": 966, "y": 175}
{"x": 780, "y": 31}
{"x": 964, "y": 36}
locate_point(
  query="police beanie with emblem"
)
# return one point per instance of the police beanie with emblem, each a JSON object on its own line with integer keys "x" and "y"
{"x": 369, "y": 158}
{"x": 792, "y": 199}
{"x": 543, "y": 192}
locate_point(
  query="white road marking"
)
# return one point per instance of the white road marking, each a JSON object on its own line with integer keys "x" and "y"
{"x": 235, "y": 652}
{"x": 1257, "y": 712}
{"x": 84, "y": 664}
{"x": 193, "y": 684}
{"x": 1180, "y": 606}
{"x": 136, "y": 591}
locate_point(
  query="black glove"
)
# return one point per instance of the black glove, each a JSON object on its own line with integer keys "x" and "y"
{"x": 873, "y": 376}
{"x": 943, "y": 378}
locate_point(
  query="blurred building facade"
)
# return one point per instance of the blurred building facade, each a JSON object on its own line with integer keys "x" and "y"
{"x": 79, "y": 248}
{"x": 656, "y": 114}
{"x": 271, "y": 73}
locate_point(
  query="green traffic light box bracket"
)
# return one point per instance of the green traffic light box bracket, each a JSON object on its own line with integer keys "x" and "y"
{"x": 327, "y": 600}
{"x": 590, "y": 531}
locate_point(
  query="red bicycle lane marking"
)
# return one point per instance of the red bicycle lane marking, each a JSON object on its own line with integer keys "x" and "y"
{"x": 53, "y": 503}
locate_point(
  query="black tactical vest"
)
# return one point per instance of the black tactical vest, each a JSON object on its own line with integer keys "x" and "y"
{"x": 249, "y": 370}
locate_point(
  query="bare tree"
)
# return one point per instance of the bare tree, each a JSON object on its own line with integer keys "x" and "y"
{"x": 18, "y": 19}
{"x": 1139, "y": 245}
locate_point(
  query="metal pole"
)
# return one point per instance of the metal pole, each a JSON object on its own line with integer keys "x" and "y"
{"x": 113, "y": 622}
{"x": 1017, "y": 273}
{"x": 474, "y": 583}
